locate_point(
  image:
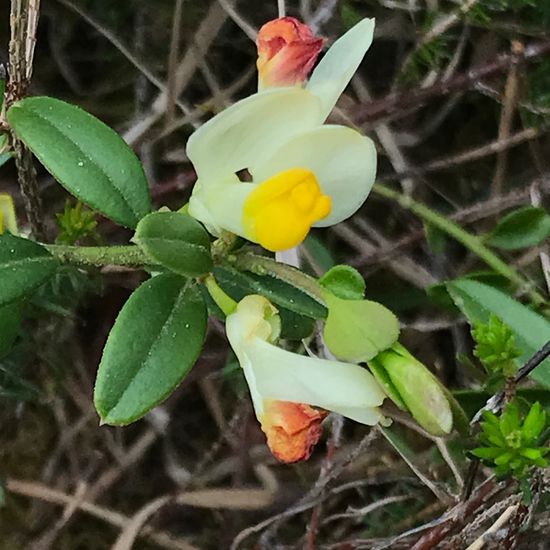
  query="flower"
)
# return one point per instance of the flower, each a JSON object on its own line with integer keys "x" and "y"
{"x": 287, "y": 51}
{"x": 303, "y": 173}
{"x": 285, "y": 386}
{"x": 8, "y": 221}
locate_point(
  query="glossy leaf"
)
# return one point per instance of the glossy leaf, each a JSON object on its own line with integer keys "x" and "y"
{"x": 280, "y": 293}
{"x": 478, "y": 301}
{"x": 344, "y": 282}
{"x": 24, "y": 266}
{"x": 524, "y": 227}
{"x": 86, "y": 156}
{"x": 176, "y": 241}
{"x": 155, "y": 341}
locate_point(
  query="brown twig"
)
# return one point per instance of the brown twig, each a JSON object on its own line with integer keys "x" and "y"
{"x": 24, "y": 17}
{"x": 402, "y": 101}
{"x": 511, "y": 94}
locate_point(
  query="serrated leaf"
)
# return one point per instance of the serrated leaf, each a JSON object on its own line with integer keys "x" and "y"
{"x": 524, "y": 227}
{"x": 344, "y": 282}
{"x": 24, "y": 266}
{"x": 176, "y": 241}
{"x": 155, "y": 341}
{"x": 357, "y": 330}
{"x": 531, "y": 331}
{"x": 83, "y": 154}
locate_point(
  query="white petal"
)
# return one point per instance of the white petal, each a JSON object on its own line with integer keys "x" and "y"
{"x": 250, "y": 130}
{"x": 220, "y": 205}
{"x": 364, "y": 415}
{"x": 335, "y": 70}
{"x": 332, "y": 385}
{"x": 342, "y": 159}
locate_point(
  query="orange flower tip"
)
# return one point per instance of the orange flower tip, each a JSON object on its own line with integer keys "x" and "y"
{"x": 292, "y": 429}
{"x": 287, "y": 51}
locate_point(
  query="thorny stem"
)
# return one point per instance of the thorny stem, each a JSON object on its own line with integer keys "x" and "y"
{"x": 471, "y": 242}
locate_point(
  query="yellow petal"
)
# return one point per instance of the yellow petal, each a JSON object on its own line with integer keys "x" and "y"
{"x": 280, "y": 211}
{"x": 343, "y": 161}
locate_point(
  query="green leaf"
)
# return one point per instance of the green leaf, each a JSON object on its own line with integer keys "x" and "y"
{"x": 155, "y": 341}
{"x": 344, "y": 282}
{"x": 357, "y": 330}
{"x": 524, "y": 227}
{"x": 534, "y": 423}
{"x": 487, "y": 453}
{"x": 10, "y": 322}
{"x": 176, "y": 241}
{"x": 280, "y": 293}
{"x": 317, "y": 254}
{"x": 478, "y": 301}
{"x": 24, "y": 266}
{"x": 86, "y": 156}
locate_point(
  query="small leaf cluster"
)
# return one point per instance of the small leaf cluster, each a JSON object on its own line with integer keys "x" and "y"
{"x": 76, "y": 223}
{"x": 511, "y": 446}
{"x": 496, "y": 347}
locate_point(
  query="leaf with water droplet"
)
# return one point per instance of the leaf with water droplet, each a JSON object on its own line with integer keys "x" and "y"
{"x": 155, "y": 341}
{"x": 84, "y": 155}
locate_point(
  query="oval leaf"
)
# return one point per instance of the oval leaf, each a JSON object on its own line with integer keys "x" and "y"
{"x": 155, "y": 341}
{"x": 86, "y": 156}
{"x": 357, "y": 330}
{"x": 531, "y": 331}
{"x": 344, "y": 282}
{"x": 176, "y": 241}
{"x": 24, "y": 266}
{"x": 524, "y": 227}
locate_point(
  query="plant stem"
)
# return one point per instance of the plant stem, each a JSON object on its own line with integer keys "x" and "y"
{"x": 99, "y": 255}
{"x": 471, "y": 242}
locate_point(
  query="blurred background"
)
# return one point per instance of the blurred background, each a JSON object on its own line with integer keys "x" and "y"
{"x": 456, "y": 96}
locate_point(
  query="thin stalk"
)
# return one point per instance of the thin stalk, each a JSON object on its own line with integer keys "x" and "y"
{"x": 471, "y": 242}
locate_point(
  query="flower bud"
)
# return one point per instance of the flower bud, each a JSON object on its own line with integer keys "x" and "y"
{"x": 287, "y": 51}
{"x": 411, "y": 386}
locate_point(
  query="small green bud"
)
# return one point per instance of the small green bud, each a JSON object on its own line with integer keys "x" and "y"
{"x": 410, "y": 385}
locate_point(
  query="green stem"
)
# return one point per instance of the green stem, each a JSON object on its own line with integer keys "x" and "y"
{"x": 99, "y": 255}
{"x": 471, "y": 242}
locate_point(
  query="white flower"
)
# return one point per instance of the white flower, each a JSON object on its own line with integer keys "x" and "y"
{"x": 277, "y": 378}
{"x": 304, "y": 173}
